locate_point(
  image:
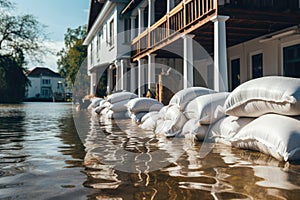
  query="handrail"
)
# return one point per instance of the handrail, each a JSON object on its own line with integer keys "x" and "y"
{"x": 179, "y": 19}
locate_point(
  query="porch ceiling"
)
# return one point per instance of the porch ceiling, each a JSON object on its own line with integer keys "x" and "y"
{"x": 244, "y": 25}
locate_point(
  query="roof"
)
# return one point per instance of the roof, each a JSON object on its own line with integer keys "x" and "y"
{"x": 42, "y": 71}
{"x": 95, "y": 8}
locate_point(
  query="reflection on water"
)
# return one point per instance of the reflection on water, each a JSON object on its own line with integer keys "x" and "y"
{"x": 43, "y": 157}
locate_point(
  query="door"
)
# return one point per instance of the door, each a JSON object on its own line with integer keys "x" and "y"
{"x": 235, "y": 73}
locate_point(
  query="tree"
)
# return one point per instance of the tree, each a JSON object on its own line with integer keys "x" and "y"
{"x": 73, "y": 54}
{"x": 72, "y": 61}
{"x": 20, "y": 36}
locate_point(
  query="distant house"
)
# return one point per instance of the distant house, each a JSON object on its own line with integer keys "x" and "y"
{"x": 45, "y": 85}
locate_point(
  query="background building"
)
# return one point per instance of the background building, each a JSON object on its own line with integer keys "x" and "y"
{"x": 46, "y": 85}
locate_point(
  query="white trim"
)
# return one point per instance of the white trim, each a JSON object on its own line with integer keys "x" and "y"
{"x": 251, "y": 54}
{"x": 108, "y": 6}
{"x": 282, "y": 46}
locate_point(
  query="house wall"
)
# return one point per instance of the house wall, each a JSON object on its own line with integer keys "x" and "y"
{"x": 272, "y": 51}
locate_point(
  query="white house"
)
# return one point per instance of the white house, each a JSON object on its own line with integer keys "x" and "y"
{"x": 243, "y": 39}
{"x": 108, "y": 44}
{"x": 45, "y": 85}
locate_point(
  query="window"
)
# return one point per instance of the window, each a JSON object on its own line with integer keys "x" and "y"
{"x": 126, "y": 30}
{"x": 46, "y": 81}
{"x": 235, "y": 73}
{"x": 46, "y": 92}
{"x": 291, "y": 61}
{"x": 257, "y": 65}
{"x": 111, "y": 33}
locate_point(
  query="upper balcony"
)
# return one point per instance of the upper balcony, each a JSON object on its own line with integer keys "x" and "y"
{"x": 248, "y": 19}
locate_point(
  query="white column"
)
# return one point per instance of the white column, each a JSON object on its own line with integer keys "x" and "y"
{"x": 151, "y": 70}
{"x": 93, "y": 81}
{"x": 220, "y": 53}
{"x": 151, "y": 12}
{"x": 188, "y": 63}
{"x": 170, "y": 5}
{"x": 117, "y": 86}
{"x": 132, "y": 78}
{"x": 132, "y": 31}
{"x": 109, "y": 80}
{"x": 123, "y": 74}
{"x": 141, "y": 20}
{"x": 141, "y": 80}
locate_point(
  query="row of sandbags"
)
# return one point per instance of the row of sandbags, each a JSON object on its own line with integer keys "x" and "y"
{"x": 263, "y": 115}
{"x": 124, "y": 105}
{"x": 260, "y": 114}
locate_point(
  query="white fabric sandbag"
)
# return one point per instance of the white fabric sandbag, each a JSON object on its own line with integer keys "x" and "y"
{"x": 174, "y": 114}
{"x": 94, "y": 102}
{"x": 154, "y": 115}
{"x": 119, "y": 106}
{"x": 272, "y": 134}
{"x": 116, "y": 115}
{"x": 184, "y": 96}
{"x": 206, "y": 108}
{"x": 137, "y": 117}
{"x": 271, "y": 94}
{"x": 162, "y": 126}
{"x": 224, "y": 129}
{"x": 144, "y": 105}
{"x": 149, "y": 124}
{"x": 120, "y": 96}
{"x": 194, "y": 128}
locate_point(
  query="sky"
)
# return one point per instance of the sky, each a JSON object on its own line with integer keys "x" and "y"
{"x": 57, "y": 16}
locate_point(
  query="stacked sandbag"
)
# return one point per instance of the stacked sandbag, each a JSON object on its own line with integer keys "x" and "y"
{"x": 114, "y": 106}
{"x": 94, "y": 103}
{"x": 173, "y": 117}
{"x": 203, "y": 111}
{"x": 273, "y": 103}
{"x": 139, "y": 107}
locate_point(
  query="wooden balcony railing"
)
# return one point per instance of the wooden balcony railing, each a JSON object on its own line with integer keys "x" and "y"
{"x": 178, "y": 20}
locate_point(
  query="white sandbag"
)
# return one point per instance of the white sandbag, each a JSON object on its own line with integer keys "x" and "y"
{"x": 119, "y": 106}
{"x": 116, "y": 115}
{"x": 137, "y": 117}
{"x": 104, "y": 111}
{"x": 272, "y": 134}
{"x": 120, "y": 96}
{"x": 94, "y": 102}
{"x": 184, "y": 96}
{"x": 162, "y": 126}
{"x": 207, "y": 108}
{"x": 193, "y": 128}
{"x": 174, "y": 114}
{"x": 271, "y": 94}
{"x": 149, "y": 124}
{"x": 144, "y": 105}
{"x": 100, "y": 107}
{"x": 224, "y": 129}
{"x": 154, "y": 115}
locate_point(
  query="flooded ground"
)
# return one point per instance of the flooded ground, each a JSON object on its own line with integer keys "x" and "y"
{"x": 43, "y": 157}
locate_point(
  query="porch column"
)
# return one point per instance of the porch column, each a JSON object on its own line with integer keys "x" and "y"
{"x": 132, "y": 31}
{"x": 220, "y": 53}
{"x": 141, "y": 80}
{"x": 151, "y": 70}
{"x": 170, "y": 5}
{"x": 151, "y": 12}
{"x": 109, "y": 80}
{"x": 123, "y": 74}
{"x": 93, "y": 83}
{"x": 132, "y": 78}
{"x": 188, "y": 73}
{"x": 141, "y": 20}
{"x": 117, "y": 76}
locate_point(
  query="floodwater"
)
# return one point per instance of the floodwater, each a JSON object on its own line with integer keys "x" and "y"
{"x": 42, "y": 156}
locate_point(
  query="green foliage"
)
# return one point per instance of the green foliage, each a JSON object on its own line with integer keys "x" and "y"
{"x": 13, "y": 82}
{"x": 20, "y": 36}
{"x": 73, "y": 55}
